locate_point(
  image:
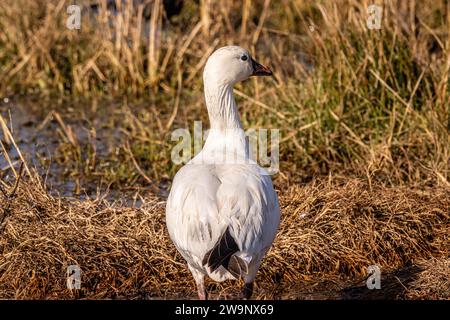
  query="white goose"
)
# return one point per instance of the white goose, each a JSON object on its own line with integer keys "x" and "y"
{"x": 222, "y": 212}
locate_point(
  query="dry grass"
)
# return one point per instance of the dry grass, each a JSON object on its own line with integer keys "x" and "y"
{"x": 329, "y": 230}
{"x": 367, "y": 108}
{"x": 433, "y": 282}
{"x": 365, "y": 103}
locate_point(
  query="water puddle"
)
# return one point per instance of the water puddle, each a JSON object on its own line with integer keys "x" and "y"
{"x": 42, "y": 130}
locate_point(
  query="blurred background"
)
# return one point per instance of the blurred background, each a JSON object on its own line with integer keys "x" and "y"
{"x": 349, "y": 100}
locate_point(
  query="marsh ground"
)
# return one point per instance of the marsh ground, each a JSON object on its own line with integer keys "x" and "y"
{"x": 364, "y": 155}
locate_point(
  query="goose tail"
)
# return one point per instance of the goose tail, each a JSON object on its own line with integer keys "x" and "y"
{"x": 224, "y": 253}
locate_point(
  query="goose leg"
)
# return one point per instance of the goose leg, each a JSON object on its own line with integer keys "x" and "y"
{"x": 247, "y": 290}
{"x": 202, "y": 293}
{"x": 200, "y": 282}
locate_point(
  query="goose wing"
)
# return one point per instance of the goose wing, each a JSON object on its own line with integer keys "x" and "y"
{"x": 191, "y": 212}
{"x": 249, "y": 214}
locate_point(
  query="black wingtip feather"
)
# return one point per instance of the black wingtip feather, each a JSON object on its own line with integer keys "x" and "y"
{"x": 221, "y": 253}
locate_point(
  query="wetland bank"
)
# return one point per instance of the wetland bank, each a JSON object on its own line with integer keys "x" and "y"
{"x": 364, "y": 150}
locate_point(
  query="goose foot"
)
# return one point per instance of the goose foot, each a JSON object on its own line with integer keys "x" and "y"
{"x": 247, "y": 291}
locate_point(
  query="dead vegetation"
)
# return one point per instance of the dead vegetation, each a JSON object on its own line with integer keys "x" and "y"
{"x": 433, "y": 282}
{"x": 347, "y": 99}
{"x": 367, "y": 108}
{"x": 329, "y": 230}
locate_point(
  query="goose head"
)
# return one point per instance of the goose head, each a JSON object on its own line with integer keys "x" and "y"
{"x": 231, "y": 64}
{"x": 224, "y": 68}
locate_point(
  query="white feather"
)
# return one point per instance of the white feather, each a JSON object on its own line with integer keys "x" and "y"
{"x": 222, "y": 187}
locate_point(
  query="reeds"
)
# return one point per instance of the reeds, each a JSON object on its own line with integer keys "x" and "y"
{"x": 372, "y": 103}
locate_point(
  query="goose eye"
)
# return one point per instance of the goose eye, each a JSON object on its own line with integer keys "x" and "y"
{"x": 244, "y": 58}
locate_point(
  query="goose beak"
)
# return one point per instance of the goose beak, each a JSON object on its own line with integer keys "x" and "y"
{"x": 260, "y": 70}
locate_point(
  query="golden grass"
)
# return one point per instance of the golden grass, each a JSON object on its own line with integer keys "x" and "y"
{"x": 329, "y": 230}
{"x": 367, "y": 108}
{"x": 348, "y": 100}
{"x": 432, "y": 282}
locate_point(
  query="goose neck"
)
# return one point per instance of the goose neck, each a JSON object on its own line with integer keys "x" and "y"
{"x": 222, "y": 109}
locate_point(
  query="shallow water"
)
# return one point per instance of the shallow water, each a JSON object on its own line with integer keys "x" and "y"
{"x": 23, "y": 124}
{"x": 38, "y": 136}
